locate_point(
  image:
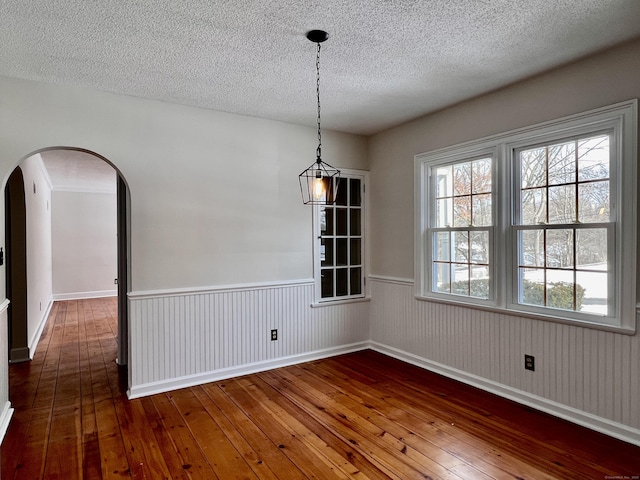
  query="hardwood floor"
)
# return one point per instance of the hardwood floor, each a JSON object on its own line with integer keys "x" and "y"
{"x": 359, "y": 416}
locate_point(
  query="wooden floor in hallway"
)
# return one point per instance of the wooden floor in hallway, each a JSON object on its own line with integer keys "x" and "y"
{"x": 361, "y": 416}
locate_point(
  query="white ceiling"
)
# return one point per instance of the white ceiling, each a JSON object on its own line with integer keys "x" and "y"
{"x": 386, "y": 62}
{"x": 76, "y": 171}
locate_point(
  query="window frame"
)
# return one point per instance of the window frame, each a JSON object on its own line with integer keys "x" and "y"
{"x": 363, "y": 176}
{"x": 429, "y": 188}
{"x": 618, "y": 119}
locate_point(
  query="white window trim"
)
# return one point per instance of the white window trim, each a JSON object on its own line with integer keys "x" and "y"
{"x": 622, "y": 119}
{"x": 366, "y": 294}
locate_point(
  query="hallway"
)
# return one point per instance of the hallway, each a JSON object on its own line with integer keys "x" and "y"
{"x": 72, "y": 385}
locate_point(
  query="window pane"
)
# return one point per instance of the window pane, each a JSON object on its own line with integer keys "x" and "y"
{"x": 342, "y": 282}
{"x": 592, "y": 290}
{"x": 531, "y": 248}
{"x": 442, "y": 277}
{"x": 444, "y": 182}
{"x": 326, "y": 252}
{"x": 442, "y": 246}
{"x": 562, "y": 204}
{"x": 355, "y": 275}
{"x": 444, "y": 212}
{"x": 481, "y": 210}
{"x": 341, "y": 221}
{"x": 462, "y": 179}
{"x": 462, "y": 211}
{"x": 534, "y": 206}
{"x": 591, "y": 249}
{"x": 326, "y": 221}
{"x": 343, "y": 191}
{"x": 341, "y": 251}
{"x": 461, "y": 242}
{"x": 531, "y": 288}
{"x": 560, "y": 248}
{"x": 533, "y": 169}
{"x": 460, "y": 280}
{"x": 593, "y": 154}
{"x": 479, "y": 283}
{"x": 481, "y": 179}
{"x": 355, "y": 221}
{"x": 326, "y": 283}
{"x": 479, "y": 247}
{"x": 562, "y": 163}
{"x": 356, "y": 255}
{"x": 560, "y": 289}
{"x": 593, "y": 202}
{"x": 354, "y": 192}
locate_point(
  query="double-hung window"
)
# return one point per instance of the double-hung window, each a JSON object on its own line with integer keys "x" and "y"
{"x": 539, "y": 222}
{"x": 461, "y": 227}
{"x": 340, "y": 241}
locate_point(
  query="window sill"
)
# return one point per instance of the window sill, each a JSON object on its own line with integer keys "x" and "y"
{"x": 625, "y": 330}
{"x": 330, "y": 303}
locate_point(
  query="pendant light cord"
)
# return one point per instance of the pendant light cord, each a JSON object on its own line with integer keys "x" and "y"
{"x": 319, "y": 149}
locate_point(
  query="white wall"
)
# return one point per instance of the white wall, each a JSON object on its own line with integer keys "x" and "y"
{"x": 84, "y": 244}
{"x": 215, "y": 208}
{"x": 590, "y": 376}
{"x": 37, "y": 191}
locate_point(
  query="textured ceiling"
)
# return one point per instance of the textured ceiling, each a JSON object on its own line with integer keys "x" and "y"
{"x": 386, "y": 61}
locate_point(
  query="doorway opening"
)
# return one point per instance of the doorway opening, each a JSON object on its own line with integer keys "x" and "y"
{"x": 77, "y": 201}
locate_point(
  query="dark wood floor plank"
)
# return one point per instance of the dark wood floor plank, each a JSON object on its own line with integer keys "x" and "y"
{"x": 266, "y": 451}
{"x": 181, "y": 442}
{"x": 175, "y": 464}
{"x": 510, "y": 427}
{"x": 143, "y": 452}
{"x": 112, "y": 450}
{"x": 397, "y": 456}
{"x": 225, "y": 460}
{"x": 503, "y": 446}
{"x": 362, "y": 404}
{"x": 277, "y": 427}
{"x": 360, "y": 416}
{"x": 443, "y": 434}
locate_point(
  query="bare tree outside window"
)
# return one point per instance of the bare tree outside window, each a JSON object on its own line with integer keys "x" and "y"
{"x": 461, "y": 238}
{"x": 565, "y": 195}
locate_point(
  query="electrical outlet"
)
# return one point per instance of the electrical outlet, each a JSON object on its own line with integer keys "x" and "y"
{"x": 274, "y": 334}
{"x": 530, "y": 363}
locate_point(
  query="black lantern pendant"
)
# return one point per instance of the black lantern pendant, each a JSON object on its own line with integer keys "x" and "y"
{"x": 319, "y": 181}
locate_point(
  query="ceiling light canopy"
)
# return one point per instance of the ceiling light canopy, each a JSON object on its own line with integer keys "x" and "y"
{"x": 319, "y": 181}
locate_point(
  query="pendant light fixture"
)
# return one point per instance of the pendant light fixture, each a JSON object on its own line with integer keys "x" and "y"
{"x": 319, "y": 181}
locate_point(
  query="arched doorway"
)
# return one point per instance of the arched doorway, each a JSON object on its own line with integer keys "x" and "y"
{"x": 15, "y": 192}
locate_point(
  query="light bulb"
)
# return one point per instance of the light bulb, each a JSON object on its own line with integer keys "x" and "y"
{"x": 318, "y": 188}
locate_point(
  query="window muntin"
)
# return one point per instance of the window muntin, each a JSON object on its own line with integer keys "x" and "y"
{"x": 460, "y": 228}
{"x": 564, "y": 197}
{"x": 341, "y": 242}
{"x": 563, "y": 225}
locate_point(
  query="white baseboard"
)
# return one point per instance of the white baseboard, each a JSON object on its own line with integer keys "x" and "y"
{"x": 5, "y": 418}
{"x": 223, "y": 374}
{"x": 84, "y": 295}
{"x": 593, "y": 422}
{"x": 35, "y": 339}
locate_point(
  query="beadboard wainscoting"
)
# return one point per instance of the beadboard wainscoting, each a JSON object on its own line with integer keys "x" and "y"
{"x": 5, "y": 406}
{"x": 183, "y": 338}
{"x": 588, "y": 376}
